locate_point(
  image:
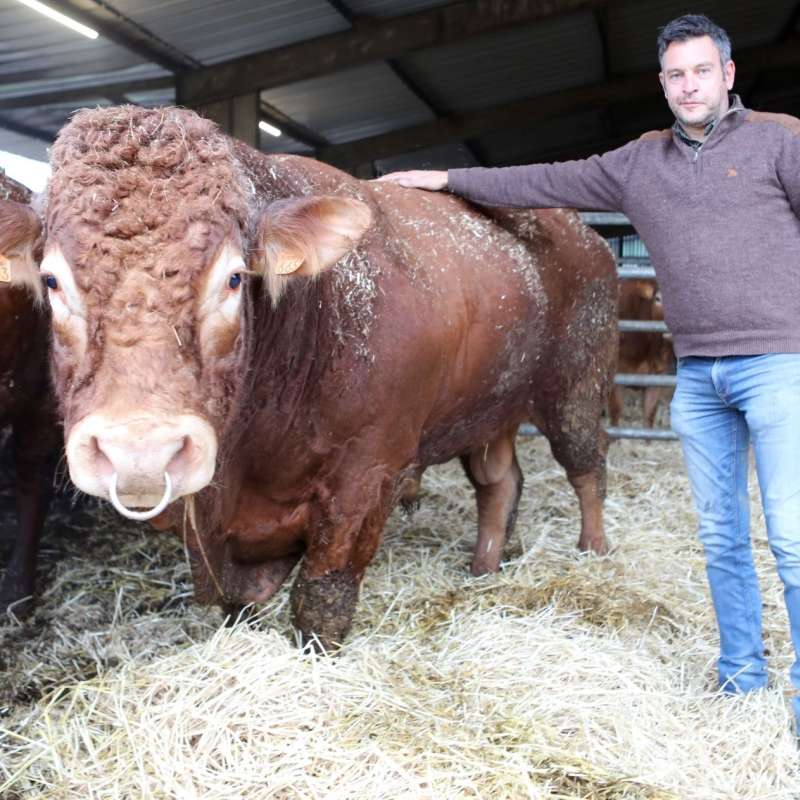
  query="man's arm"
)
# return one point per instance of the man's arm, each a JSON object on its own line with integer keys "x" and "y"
{"x": 789, "y": 164}
{"x": 592, "y": 183}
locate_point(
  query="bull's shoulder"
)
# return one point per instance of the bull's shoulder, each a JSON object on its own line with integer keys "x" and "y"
{"x": 284, "y": 175}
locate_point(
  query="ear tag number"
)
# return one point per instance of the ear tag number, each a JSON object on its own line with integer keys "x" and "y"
{"x": 5, "y": 269}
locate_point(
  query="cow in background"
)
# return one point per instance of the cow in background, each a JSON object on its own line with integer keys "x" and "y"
{"x": 642, "y": 353}
{"x": 256, "y": 351}
{"x": 26, "y": 401}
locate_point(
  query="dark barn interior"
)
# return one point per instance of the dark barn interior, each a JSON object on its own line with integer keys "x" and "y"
{"x": 373, "y": 85}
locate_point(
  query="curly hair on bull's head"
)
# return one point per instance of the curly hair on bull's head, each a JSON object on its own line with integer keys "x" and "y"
{"x": 144, "y": 187}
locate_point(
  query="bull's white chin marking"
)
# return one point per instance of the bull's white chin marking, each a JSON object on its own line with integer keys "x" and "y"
{"x": 140, "y": 515}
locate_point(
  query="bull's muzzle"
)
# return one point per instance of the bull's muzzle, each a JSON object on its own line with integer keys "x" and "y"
{"x": 141, "y": 463}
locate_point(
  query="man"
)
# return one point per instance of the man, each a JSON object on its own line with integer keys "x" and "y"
{"x": 716, "y": 199}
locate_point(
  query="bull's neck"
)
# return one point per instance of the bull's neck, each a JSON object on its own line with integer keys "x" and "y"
{"x": 288, "y": 351}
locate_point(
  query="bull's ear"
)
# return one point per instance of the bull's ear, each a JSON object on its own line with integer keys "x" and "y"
{"x": 305, "y": 236}
{"x": 20, "y": 232}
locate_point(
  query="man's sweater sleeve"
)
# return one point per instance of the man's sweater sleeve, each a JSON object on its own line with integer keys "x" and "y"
{"x": 789, "y": 165}
{"x": 594, "y": 183}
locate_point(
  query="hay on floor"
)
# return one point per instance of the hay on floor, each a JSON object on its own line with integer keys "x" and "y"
{"x": 564, "y": 676}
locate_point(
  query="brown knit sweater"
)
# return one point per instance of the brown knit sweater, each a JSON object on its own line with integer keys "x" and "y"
{"x": 722, "y": 224}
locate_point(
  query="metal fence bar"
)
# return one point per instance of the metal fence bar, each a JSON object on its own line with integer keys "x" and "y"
{"x": 660, "y": 434}
{"x": 605, "y": 218}
{"x": 643, "y": 325}
{"x": 635, "y": 271}
{"x": 648, "y": 379}
{"x": 641, "y": 261}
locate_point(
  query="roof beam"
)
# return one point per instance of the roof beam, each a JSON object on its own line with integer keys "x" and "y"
{"x": 535, "y": 109}
{"x": 27, "y": 130}
{"x": 367, "y": 41}
{"x": 138, "y": 39}
{"x": 401, "y": 73}
{"x": 127, "y": 33}
{"x": 476, "y": 123}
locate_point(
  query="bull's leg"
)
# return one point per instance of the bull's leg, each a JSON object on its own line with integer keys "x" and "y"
{"x": 325, "y": 591}
{"x": 652, "y": 398}
{"x": 494, "y": 472}
{"x": 31, "y": 460}
{"x": 591, "y": 490}
{"x": 615, "y": 406}
{"x": 579, "y": 443}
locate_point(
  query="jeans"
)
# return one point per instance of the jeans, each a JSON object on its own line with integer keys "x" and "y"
{"x": 719, "y": 407}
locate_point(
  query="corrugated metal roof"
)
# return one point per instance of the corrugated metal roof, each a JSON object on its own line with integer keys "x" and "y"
{"x": 501, "y": 67}
{"x": 351, "y": 104}
{"x": 564, "y": 51}
{"x": 165, "y": 97}
{"x": 36, "y": 48}
{"x": 23, "y": 145}
{"x": 10, "y": 90}
{"x": 217, "y": 30}
{"x": 633, "y": 26}
{"x": 52, "y": 117}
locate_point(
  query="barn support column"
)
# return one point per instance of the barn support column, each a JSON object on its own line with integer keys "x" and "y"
{"x": 237, "y": 116}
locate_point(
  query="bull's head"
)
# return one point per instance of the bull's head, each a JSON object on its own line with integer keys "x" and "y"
{"x": 19, "y": 238}
{"x": 153, "y": 235}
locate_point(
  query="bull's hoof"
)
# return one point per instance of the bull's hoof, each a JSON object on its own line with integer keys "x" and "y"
{"x": 409, "y": 505}
{"x": 597, "y": 545}
{"x": 484, "y": 566}
{"x": 322, "y": 609}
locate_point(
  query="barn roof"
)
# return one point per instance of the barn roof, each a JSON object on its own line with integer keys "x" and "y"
{"x": 381, "y": 84}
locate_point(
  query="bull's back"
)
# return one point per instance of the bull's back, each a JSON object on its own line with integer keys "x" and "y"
{"x": 447, "y": 317}
{"x": 496, "y": 294}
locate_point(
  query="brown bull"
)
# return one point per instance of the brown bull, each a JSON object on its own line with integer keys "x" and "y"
{"x": 281, "y": 346}
{"x": 642, "y": 353}
{"x": 26, "y": 401}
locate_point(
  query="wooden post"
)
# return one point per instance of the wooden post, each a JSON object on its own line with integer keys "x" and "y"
{"x": 237, "y": 116}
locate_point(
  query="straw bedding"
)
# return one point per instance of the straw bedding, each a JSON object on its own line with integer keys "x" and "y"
{"x": 564, "y": 676}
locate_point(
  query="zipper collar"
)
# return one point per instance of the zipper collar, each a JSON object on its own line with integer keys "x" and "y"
{"x": 680, "y": 134}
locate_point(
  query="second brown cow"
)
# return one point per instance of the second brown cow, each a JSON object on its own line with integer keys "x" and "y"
{"x": 642, "y": 353}
{"x": 27, "y": 405}
{"x": 259, "y": 350}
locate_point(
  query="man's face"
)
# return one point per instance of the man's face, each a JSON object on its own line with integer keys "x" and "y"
{"x": 695, "y": 82}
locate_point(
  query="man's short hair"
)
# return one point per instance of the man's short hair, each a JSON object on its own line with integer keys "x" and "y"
{"x": 693, "y": 26}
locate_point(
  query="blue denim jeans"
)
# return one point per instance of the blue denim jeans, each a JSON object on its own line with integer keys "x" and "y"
{"x": 720, "y": 406}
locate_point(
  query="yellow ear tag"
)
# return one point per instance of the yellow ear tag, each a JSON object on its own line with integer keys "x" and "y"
{"x": 286, "y": 266}
{"x": 5, "y": 269}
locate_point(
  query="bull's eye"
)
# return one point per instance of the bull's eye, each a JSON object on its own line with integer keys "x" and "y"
{"x": 235, "y": 280}
{"x": 51, "y": 282}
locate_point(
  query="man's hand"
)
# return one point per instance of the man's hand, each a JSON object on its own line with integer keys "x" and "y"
{"x": 432, "y": 180}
